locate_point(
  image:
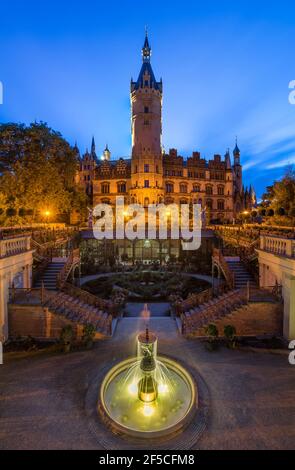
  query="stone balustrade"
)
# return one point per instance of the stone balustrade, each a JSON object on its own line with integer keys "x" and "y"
{"x": 278, "y": 245}
{"x": 14, "y": 246}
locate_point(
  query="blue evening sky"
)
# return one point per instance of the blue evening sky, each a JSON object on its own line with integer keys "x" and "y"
{"x": 226, "y": 67}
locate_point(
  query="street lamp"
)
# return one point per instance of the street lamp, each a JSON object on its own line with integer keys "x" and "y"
{"x": 47, "y": 214}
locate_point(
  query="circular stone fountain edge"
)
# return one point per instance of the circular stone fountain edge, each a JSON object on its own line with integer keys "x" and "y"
{"x": 112, "y": 438}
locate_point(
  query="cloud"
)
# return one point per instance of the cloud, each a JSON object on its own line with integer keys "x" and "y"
{"x": 282, "y": 163}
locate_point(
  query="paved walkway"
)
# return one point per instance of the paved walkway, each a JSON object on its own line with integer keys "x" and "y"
{"x": 157, "y": 309}
{"x": 42, "y": 398}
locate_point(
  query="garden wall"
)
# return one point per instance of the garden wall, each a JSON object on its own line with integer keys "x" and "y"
{"x": 253, "y": 319}
{"x": 38, "y": 322}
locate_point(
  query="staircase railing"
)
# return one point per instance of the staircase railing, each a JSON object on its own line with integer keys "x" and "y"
{"x": 90, "y": 299}
{"x": 219, "y": 261}
{"x": 72, "y": 261}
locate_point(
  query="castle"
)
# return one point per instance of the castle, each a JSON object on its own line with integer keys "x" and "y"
{"x": 151, "y": 175}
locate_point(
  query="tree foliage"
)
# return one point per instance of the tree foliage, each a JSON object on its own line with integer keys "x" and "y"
{"x": 37, "y": 171}
{"x": 280, "y": 197}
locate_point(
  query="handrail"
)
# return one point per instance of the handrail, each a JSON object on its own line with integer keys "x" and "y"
{"x": 72, "y": 260}
{"x": 14, "y": 245}
{"x": 218, "y": 258}
{"x": 89, "y": 298}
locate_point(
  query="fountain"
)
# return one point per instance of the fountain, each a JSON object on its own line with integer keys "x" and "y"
{"x": 149, "y": 395}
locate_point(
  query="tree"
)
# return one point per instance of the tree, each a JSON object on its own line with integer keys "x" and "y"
{"x": 37, "y": 171}
{"x": 281, "y": 195}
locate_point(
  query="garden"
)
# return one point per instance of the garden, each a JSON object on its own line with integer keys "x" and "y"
{"x": 146, "y": 285}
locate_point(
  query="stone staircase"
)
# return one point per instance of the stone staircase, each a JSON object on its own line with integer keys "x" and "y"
{"x": 76, "y": 310}
{"x": 240, "y": 274}
{"x": 49, "y": 275}
{"x": 198, "y": 318}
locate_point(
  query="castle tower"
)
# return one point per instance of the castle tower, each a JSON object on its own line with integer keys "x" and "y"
{"x": 237, "y": 168}
{"x": 146, "y": 129}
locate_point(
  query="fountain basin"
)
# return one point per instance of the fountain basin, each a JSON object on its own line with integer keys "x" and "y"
{"x": 125, "y": 413}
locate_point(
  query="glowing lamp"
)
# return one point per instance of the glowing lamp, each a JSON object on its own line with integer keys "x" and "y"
{"x": 147, "y": 389}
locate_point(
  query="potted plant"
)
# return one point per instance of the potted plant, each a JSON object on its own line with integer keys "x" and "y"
{"x": 230, "y": 335}
{"x": 211, "y": 331}
{"x": 88, "y": 335}
{"x": 66, "y": 337}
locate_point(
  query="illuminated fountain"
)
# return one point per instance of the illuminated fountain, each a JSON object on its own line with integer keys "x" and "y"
{"x": 148, "y": 396}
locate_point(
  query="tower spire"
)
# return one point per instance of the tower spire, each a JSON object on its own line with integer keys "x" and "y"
{"x": 146, "y": 51}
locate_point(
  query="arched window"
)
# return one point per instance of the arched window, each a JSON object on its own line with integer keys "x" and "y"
{"x": 146, "y": 201}
{"x": 220, "y": 205}
{"x": 183, "y": 187}
{"x": 209, "y": 204}
{"x": 196, "y": 188}
{"x": 220, "y": 190}
{"x": 121, "y": 187}
{"x": 209, "y": 189}
{"x": 169, "y": 188}
{"x": 105, "y": 188}
{"x": 169, "y": 200}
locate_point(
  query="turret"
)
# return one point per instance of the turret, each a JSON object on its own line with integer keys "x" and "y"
{"x": 236, "y": 154}
{"x": 106, "y": 154}
{"x": 237, "y": 168}
{"x": 93, "y": 154}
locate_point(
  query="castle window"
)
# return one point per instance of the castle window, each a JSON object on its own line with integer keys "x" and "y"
{"x": 169, "y": 200}
{"x": 157, "y": 169}
{"x": 146, "y": 83}
{"x": 146, "y": 168}
{"x": 209, "y": 204}
{"x": 146, "y": 109}
{"x": 105, "y": 188}
{"x": 88, "y": 178}
{"x": 209, "y": 190}
{"x": 121, "y": 187}
{"x": 146, "y": 122}
{"x": 220, "y": 190}
{"x": 169, "y": 188}
{"x": 146, "y": 201}
{"x": 183, "y": 188}
{"x": 146, "y": 183}
{"x": 196, "y": 188}
{"x": 220, "y": 205}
